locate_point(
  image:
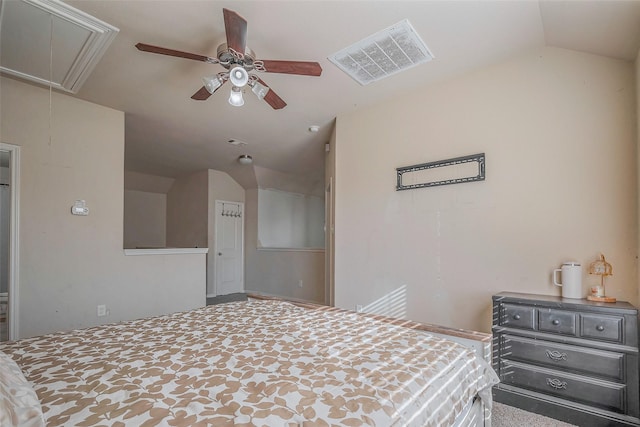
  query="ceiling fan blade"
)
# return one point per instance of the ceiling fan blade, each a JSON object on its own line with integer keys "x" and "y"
{"x": 236, "y": 29}
{"x": 305, "y": 68}
{"x": 201, "y": 95}
{"x": 177, "y": 53}
{"x": 272, "y": 98}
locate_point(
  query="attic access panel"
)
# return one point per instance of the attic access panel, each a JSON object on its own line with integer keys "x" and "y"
{"x": 49, "y": 42}
{"x": 383, "y": 54}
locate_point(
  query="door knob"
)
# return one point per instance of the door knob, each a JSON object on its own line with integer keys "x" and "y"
{"x": 219, "y": 253}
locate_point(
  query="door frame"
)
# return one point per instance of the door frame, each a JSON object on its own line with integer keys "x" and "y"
{"x": 215, "y": 242}
{"x": 329, "y": 298}
{"x": 14, "y": 239}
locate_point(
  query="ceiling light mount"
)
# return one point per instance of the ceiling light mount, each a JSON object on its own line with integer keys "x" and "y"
{"x": 245, "y": 159}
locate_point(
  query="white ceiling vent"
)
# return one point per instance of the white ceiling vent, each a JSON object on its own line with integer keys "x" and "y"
{"x": 383, "y": 54}
{"x": 48, "y": 41}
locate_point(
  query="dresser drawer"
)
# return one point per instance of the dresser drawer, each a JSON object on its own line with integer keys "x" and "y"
{"x": 608, "y": 328}
{"x": 576, "y": 388}
{"x": 517, "y": 316}
{"x": 557, "y": 321}
{"x": 606, "y": 364}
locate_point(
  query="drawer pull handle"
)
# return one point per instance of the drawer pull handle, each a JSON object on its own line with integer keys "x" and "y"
{"x": 600, "y": 328}
{"x": 555, "y": 322}
{"x": 516, "y": 316}
{"x": 557, "y": 384}
{"x": 556, "y": 356}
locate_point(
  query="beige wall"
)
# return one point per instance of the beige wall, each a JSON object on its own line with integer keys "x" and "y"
{"x": 70, "y": 264}
{"x": 145, "y": 210}
{"x": 269, "y": 178}
{"x": 145, "y": 182}
{"x": 145, "y": 219}
{"x": 558, "y": 130}
{"x": 220, "y": 187}
{"x": 637, "y": 68}
{"x": 278, "y": 272}
{"x": 187, "y": 210}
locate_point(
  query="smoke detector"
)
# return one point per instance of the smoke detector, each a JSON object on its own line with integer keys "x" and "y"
{"x": 383, "y": 54}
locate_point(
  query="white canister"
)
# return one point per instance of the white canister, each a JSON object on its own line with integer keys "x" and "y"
{"x": 571, "y": 279}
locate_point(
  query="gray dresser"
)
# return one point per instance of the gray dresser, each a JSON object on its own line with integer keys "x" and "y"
{"x": 572, "y": 360}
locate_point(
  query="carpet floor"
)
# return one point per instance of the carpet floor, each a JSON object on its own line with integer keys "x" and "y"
{"x": 508, "y": 416}
{"x": 227, "y": 298}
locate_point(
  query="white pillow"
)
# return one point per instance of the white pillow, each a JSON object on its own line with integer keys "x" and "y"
{"x": 19, "y": 404}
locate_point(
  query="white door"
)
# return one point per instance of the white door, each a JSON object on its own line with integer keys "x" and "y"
{"x": 229, "y": 253}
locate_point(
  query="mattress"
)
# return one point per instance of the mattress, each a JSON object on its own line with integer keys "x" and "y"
{"x": 253, "y": 363}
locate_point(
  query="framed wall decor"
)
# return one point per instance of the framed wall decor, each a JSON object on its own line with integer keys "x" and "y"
{"x": 442, "y": 172}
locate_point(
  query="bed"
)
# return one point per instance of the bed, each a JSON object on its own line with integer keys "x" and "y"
{"x": 257, "y": 362}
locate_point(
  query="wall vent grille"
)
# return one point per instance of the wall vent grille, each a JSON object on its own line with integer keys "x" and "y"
{"x": 383, "y": 54}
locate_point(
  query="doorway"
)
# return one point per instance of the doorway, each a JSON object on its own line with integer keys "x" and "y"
{"x": 9, "y": 198}
{"x": 229, "y": 249}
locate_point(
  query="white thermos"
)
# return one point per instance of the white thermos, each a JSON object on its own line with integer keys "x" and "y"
{"x": 571, "y": 284}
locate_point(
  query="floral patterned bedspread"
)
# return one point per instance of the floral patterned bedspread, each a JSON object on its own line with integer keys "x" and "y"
{"x": 254, "y": 363}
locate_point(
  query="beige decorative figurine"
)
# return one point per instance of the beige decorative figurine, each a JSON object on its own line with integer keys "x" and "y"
{"x": 602, "y": 268}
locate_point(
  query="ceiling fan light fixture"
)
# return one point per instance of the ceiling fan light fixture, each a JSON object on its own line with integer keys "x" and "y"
{"x": 239, "y": 76}
{"x": 235, "y": 98}
{"x": 260, "y": 90}
{"x": 211, "y": 83}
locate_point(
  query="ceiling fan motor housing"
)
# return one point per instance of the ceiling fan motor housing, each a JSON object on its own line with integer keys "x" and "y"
{"x": 228, "y": 59}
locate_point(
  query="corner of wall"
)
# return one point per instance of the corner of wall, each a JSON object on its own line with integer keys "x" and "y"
{"x": 330, "y": 202}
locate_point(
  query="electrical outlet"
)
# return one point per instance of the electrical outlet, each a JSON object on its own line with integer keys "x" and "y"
{"x": 359, "y": 308}
{"x": 300, "y": 283}
{"x": 102, "y": 310}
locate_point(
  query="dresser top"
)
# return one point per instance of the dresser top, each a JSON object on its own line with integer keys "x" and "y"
{"x": 557, "y": 301}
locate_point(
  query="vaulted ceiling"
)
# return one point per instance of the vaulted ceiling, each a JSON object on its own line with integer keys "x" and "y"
{"x": 167, "y": 133}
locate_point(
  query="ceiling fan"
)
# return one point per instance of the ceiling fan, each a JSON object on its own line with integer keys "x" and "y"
{"x": 240, "y": 61}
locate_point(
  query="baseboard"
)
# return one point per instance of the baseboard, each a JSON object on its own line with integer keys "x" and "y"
{"x": 268, "y": 295}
